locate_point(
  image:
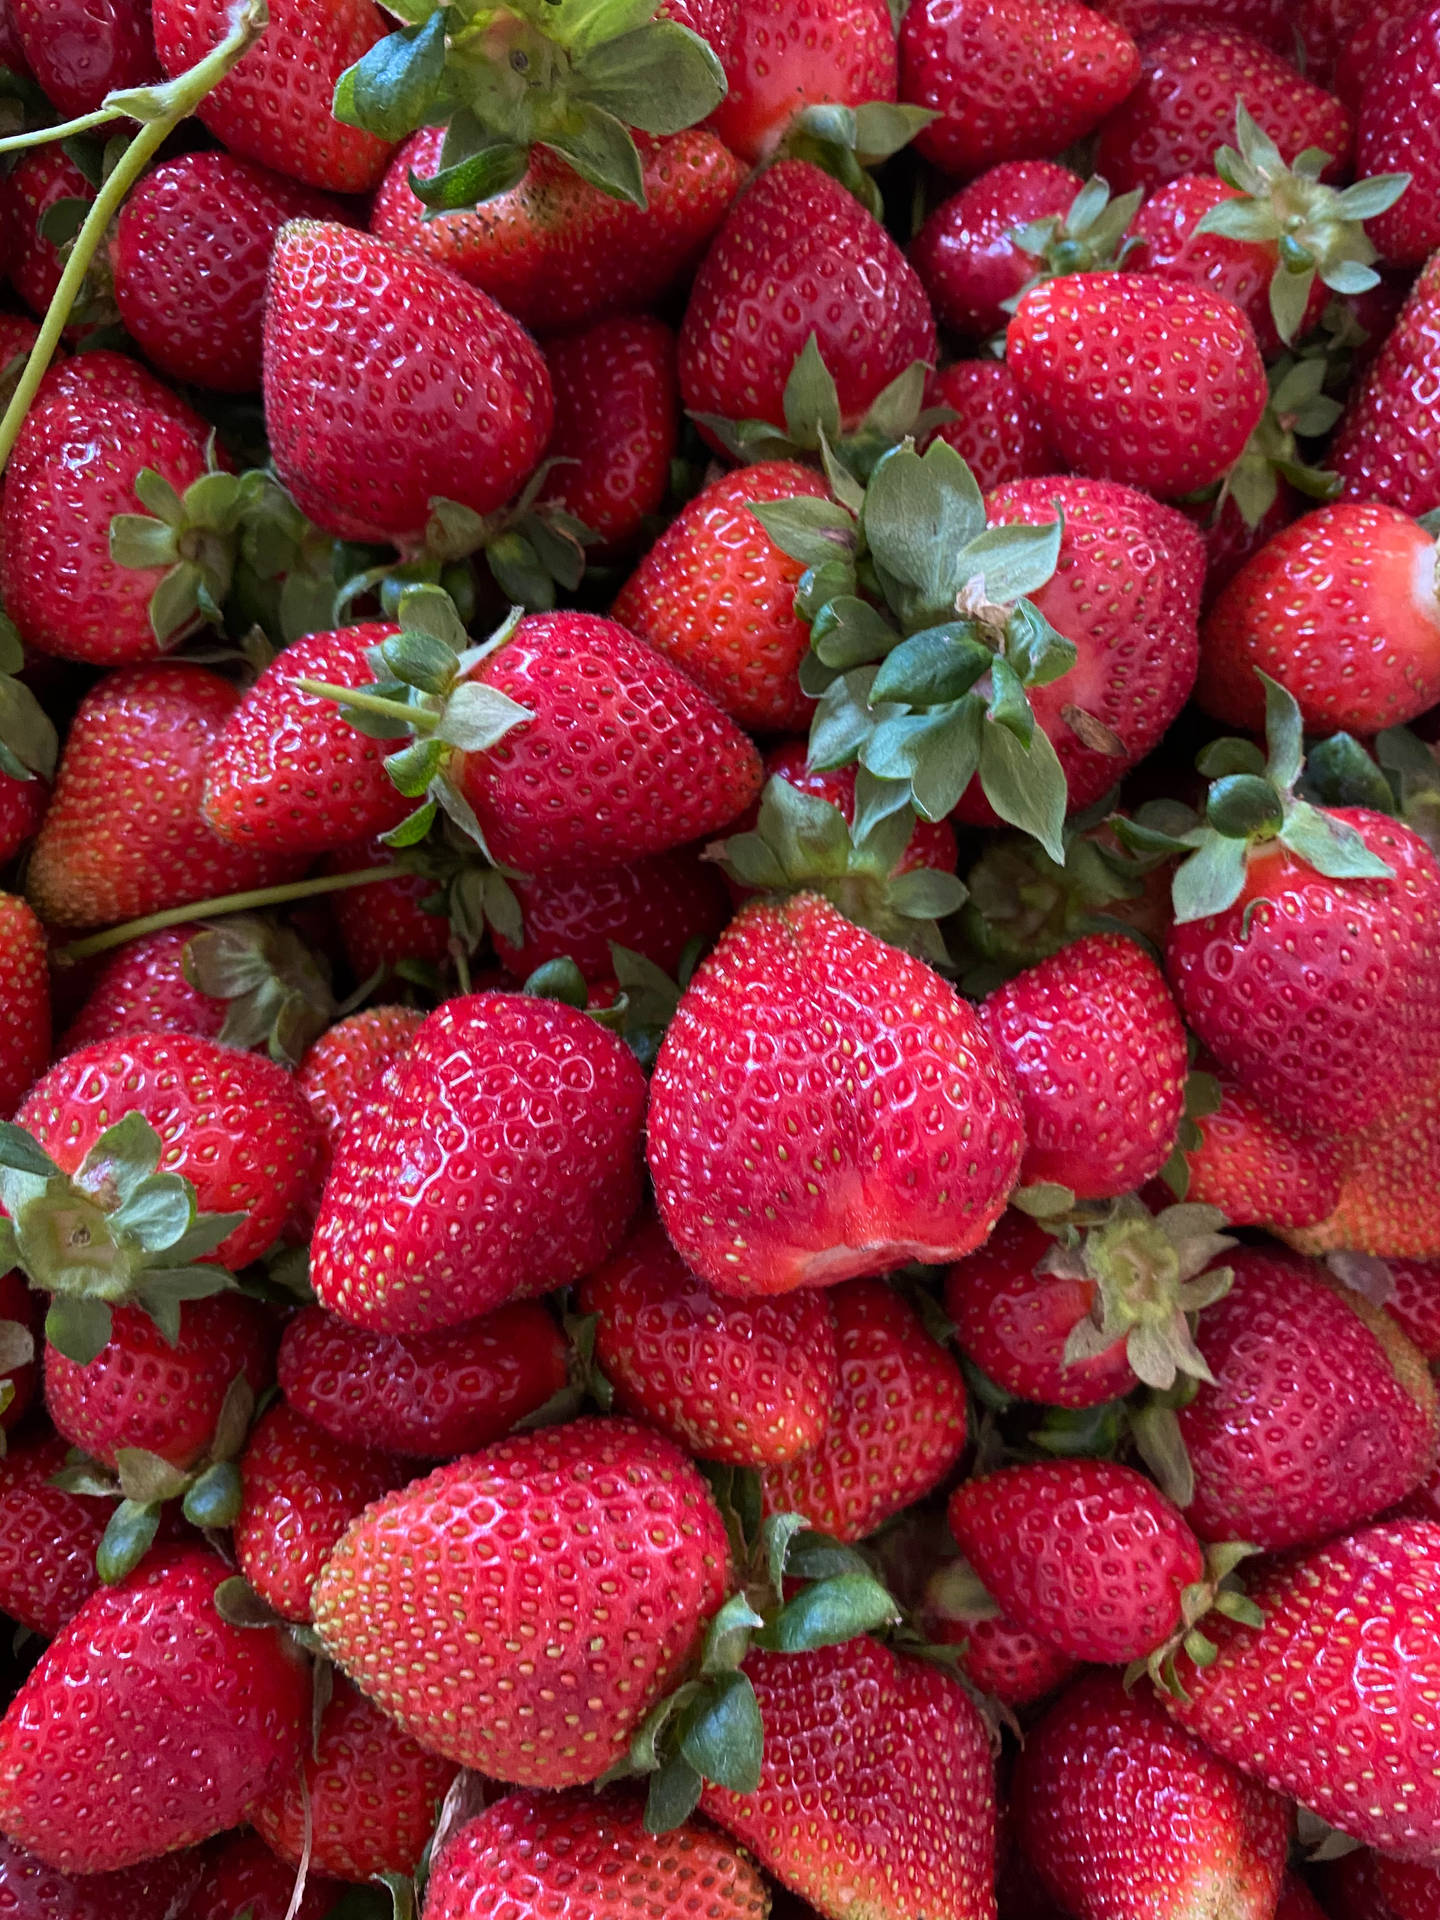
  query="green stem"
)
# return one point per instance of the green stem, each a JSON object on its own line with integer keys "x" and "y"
{"x": 417, "y": 717}
{"x": 248, "y": 20}
{"x": 94, "y": 943}
{"x": 67, "y": 130}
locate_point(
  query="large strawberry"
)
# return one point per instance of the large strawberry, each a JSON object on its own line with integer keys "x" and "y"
{"x": 767, "y": 1180}
{"x": 1382, "y": 448}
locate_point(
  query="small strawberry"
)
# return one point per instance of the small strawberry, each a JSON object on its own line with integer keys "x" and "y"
{"x": 203, "y": 1717}
{"x": 24, "y": 1001}
{"x": 770, "y": 1181}
{"x": 1238, "y": 1159}
{"x": 48, "y": 1537}
{"x": 1382, "y": 448}
{"x": 1393, "y": 135}
{"x": 79, "y": 54}
{"x": 243, "y": 1877}
{"x": 345, "y": 1061}
{"x": 386, "y": 922}
{"x": 159, "y": 1889}
{"x": 43, "y": 181}
{"x": 142, "y": 987}
{"x": 789, "y": 55}
{"x": 967, "y": 255}
{"x": 656, "y": 907}
{"x": 993, "y": 1654}
{"x": 426, "y": 1396}
{"x": 996, "y": 432}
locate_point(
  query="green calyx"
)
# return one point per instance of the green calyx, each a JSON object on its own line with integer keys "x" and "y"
{"x": 279, "y": 995}
{"x": 1398, "y": 775}
{"x": 117, "y": 1231}
{"x": 1202, "y": 1098}
{"x": 1316, "y": 229}
{"x": 1298, "y": 409}
{"x": 1091, "y": 236}
{"x": 29, "y": 744}
{"x": 801, "y": 843}
{"x": 846, "y": 141}
{"x": 193, "y": 536}
{"x": 580, "y": 77}
{"x": 642, "y": 1009}
{"x": 1217, "y": 1591}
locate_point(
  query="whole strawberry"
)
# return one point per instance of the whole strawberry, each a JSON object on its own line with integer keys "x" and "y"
{"x": 966, "y": 253}
{"x": 79, "y": 55}
{"x": 141, "y": 988}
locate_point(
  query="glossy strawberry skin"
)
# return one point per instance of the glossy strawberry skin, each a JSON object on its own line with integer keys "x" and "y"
{"x": 467, "y": 419}
{"x": 242, "y": 1875}
{"x": 1256, "y": 1172}
{"x": 80, "y": 54}
{"x": 1381, "y": 449}
{"x": 190, "y": 255}
{"x": 1086, "y": 1554}
{"x": 999, "y": 1658}
{"x": 339, "y": 1067}
{"x": 798, "y": 255}
{"x": 22, "y": 808}
{"x": 557, "y": 252}
{"x": 159, "y": 1889}
{"x": 996, "y": 431}
{"x": 624, "y": 755}
{"x": 48, "y": 1537}
{"x": 738, "y": 1144}
{"x": 385, "y": 921}
{"x": 1414, "y": 1303}
{"x": 141, "y": 988}
{"x": 24, "y": 1001}
{"x": 1125, "y": 1815}
{"x": 965, "y": 253}
{"x": 1389, "y": 1202}
{"x": 655, "y": 907}
{"x": 788, "y": 55}
{"x": 427, "y": 1396}
{"x": 616, "y": 1626}
{"x": 200, "y": 1718}
{"x": 1394, "y": 134}
{"x": 274, "y": 106}
{"x": 538, "y": 1102}
{"x": 39, "y": 180}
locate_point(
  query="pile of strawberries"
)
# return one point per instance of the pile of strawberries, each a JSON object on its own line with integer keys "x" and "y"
{"x": 720, "y": 987}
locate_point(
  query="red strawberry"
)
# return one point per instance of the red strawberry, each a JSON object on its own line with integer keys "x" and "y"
{"x": 79, "y": 54}
{"x": 1382, "y": 448}
{"x": 877, "y": 1791}
{"x": 1075, "y": 345}
{"x": 1064, "y": 68}
{"x": 48, "y": 1538}
{"x": 275, "y": 106}
{"x": 1410, "y": 1889}
{"x": 527, "y": 1184}
{"x": 1298, "y": 1903}
{"x": 931, "y": 843}
{"x": 799, "y": 256}
{"x": 768, "y": 1179}
{"x": 655, "y": 907}
{"x": 1253, "y": 1170}
{"x": 996, "y": 432}
{"x": 12, "y": 54}
{"x": 616, "y": 425}
{"x": 748, "y": 1382}
{"x": 41, "y": 180}
{"x": 370, "y": 1800}
{"x": 994, "y": 1654}
{"x": 1272, "y": 21}
{"x": 99, "y": 377}
{"x": 124, "y": 835}
{"x": 242, "y": 1876}
{"x": 386, "y": 921}
{"x": 428, "y": 1396}
{"x": 557, "y": 252}
{"x": 458, "y": 407}
{"x": 966, "y": 253}
{"x": 1389, "y": 1200}
{"x": 349, "y": 1057}
{"x": 201, "y": 1718}
{"x": 1332, "y": 1700}
{"x": 533, "y": 1853}
{"x": 1128, "y": 1818}
{"x": 190, "y": 254}
{"x": 1183, "y": 108}
{"x": 788, "y": 55}
{"x": 22, "y": 808}
{"x": 1394, "y": 135}
{"x": 1414, "y": 1303}
{"x": 715, "y": 595}
{"x": 142, "y": 987}
{"x": 570, "y": 1624}
{"x": 159, "y": 1889}
{"x": 1087, "y": 1555}
{"x": 897, "y": 1426}
{"x": 24, "y": 1001}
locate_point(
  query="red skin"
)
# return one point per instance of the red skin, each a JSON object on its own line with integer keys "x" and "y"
{"x": 1410, "y": 1889}
{"x": 48, "y": 1537}
{"x": 385, "y": 921}
{"x": 346, "y": 1060}
{"x": 716, "y": 596}
{"x": 159, "y": 1889}
{"x": 999, "y": 1658}
{"x": 39, "y": 179}
{"x": 1183, "y": 108}
{"x": 799, "y": 255}
{"x": 142, "y": 988}
{"x": 1389, "y": 1183}
{"x": 1298, "y": 1903}
{"x": 1230, "y": 540}
{"x": 1381, "y": 447}
{"x": 1414, "y": 1305}
{"x": 1272, "y": 21}
{"x": 467, "y": 1682}
{"x": 1013, "y": 1322}
{"x": 1124, "y": 1815}
{"x": 230, "y": 1122}
{"x": 363, "y": 456}
{"x": 732, "y": 1141}
{"x": 189, "y": 257}
{"x": 1064, "y": 68}
{"x": 617, "y": 410}
{"x": 1307, "y": 983}
{"x": 1097, "y": 1050}
{"x": 100, "y": 376}
{"x": 1349, "y": 1888}
{"x": 426, "y": 1396}
{"x": 12, "y": 54}
{"x": 123, "y": 835}
{"x": 1087, "y": 1555}
{"x": 24, "y": 1001}
{"x": 997, "y": 433}
{"x": 244, "y": 1875}
{"x": 1378, "y": 32}
{"x": 557, "y": 252}
{"x": 1341, "y": 608}
{"x": 274, "y": 106}
{"x": 22, "y": 808}
{"x": 653, "y": 906}
{"x": 1256, "y": 1172}
{"x": 787, "y": 55}
{"x": 1394, "y": 134}
{"x": 202, "y": 1717}
{"x": 964, "y": 253}
{"x": 1322, "y": 1414}
{"x": 422, "y": 1227}
{"x": 81, "y": 53}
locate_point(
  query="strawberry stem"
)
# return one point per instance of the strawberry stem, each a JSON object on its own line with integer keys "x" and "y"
{"x": 417, "y": 717}
{"x": 67, "y": 130}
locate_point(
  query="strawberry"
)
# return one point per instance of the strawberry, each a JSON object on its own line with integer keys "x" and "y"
{"x": 715, "y": 595}
{"x": 48, "y": 1537}
{"x": 79, "y": 54}
{"x": 242, "y": 1876}
{"x": 1410, "y": 1889}
{"x": 1381, "y": 448}
{"x": 1298, "y": 1903}
{"x": 22, "y": 808}
{"x": 275, "y": 106}
{"x": 1393, "y": 136}
{"x": 1342, "y": 608}
{"x": 557, "y": 251}
{"x": 160, "y": 1889}
{"x": 877, "y": 1791}
{"x": 993, "y": 1654}
{"x": 12, "y": 54}
{"x": 1126, "y": 1817}
{"x": 359, "y": 452}
{"x": 895, "y": 1430}
{"x": 1389, "y": 1180}
{"x": 748, "y": 1382}
{"x": 738, "y": 1177}
{"x": 1272, "y": 21}
{"x": 1256, "y": 1172}
{"x": 1087, "y": 1555}
{"x": 762, "y": 281}
{"x": 41, "y": 181}
{"x": 1414, "y": 1303}
{"x": 99, "y": 377}
{"x": 429, "y": 1396}
{"x": 1064, "y": 69}
{"x": 585, "y": 1502}
{"x": 124, "y": 835}
{"x": 387, "y": 921}
{"x": 996, "y": 432}
{"x": 422, "y": 1225}
{"x": 301, "y": 1490}
{"x": 1183, "y": 106}
{"x": 966, "y": 253}
{"x": 202, "y": 1718}
{"x": 1331, "y": 1700}
{"x": 616, "y": 426}
{"x": 1204, "y": 389}
{"x": 534, "y": 1853}
{"x": 1094, "y": 1043}
{"x": 349, "y": 1057}
{"x": 369, "y": 1799}
{"x": 189, "y": 258}
{"x": 655, "y": 907}
{"x": 24, "y": 1001}
{"x": 142, "y": 987}
{"x": 790, "y": 55}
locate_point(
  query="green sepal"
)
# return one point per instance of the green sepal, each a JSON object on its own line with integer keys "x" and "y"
{"x": 830, "y": 1612}
{"x": 392, "y": 89}
{"x": 78, "y": 1327}
{"x": 722, "y": 1736}
{"x": 215, "y": 1497}
{"x": 129, "y": 1534}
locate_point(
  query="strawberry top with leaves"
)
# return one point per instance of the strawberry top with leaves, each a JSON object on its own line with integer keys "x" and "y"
{"x": 967, "y": 253}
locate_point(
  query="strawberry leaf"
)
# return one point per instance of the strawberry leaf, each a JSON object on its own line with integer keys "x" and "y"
{"x": 722, "y": 1736}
